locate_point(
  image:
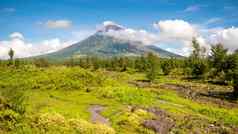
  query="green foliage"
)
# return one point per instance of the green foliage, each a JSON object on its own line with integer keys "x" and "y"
{"x": 167, "y": 66}
{"x": 198, "y": 51}
{"x": 197, "y": 61}
{"x": 60, "y": 96}
{"x": 188, "y": 107}
{"x": 141, "y": 64}
{"x": 171, "y": 66}
{"x": 41, "y": 62}
{"x": 199, "y": 67}
{"x": 12, "y": 108}
{"x": 176, "y": 72}
{"x": 15, "y": 100}
{"x": 218, "y": 57}
{"x": 50, "y": 123}
{"x": 153, "y": 66}
{"x": 17, "y": 63}
{"x": 9, "y": 119}
{"x": 130, "y": 121}
{"x": 128, "y": 95}
{"x": 225, "y": 65}
{"x": 234, "y": 71}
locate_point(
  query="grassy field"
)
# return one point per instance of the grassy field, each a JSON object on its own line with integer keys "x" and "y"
{"x": 57, "y": 99}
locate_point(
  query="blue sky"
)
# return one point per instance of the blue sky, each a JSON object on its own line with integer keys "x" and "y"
{"x": 86, "y": 14}
{"x": 29, "y": 17}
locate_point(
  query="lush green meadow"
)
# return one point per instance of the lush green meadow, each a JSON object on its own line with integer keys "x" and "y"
{"x": 57, "y": 99}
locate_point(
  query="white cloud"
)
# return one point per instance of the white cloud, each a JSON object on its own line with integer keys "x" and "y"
{"x": 124, "y": 33}
{"x": 106, "y": 23}
{"x": 26, "y": 49}
{"x": 192, "y": 8}
{"x": 16, "y": 35}
{"x": 176, "y": 29}
{"x": 228, "y": 37}
{"x": 173, "y": 35}
{"x": 177, "y": 34}
{"x": 58, "y": 24}
{"x": 181, "y": 32}
{"x": 134, "y": 35}
{"x": 185, "y": 51}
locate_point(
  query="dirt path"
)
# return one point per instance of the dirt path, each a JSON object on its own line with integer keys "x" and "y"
{"x": 96, "y": 116}
{"x": 162, "y": 124}
{"x": 203, "y": 95}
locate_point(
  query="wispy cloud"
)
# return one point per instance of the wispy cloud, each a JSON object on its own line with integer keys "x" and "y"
{"x": 213, "y": 20}
{"x": 8, "y": 9}
{"x": 58, "y": 24}
{"x": 192, "y": 8}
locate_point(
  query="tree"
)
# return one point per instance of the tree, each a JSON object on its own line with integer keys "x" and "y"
{"x": 218, "y": 58}
{"x": 197, "y": 61}
{"x": 167, "y": 65}
{"x": 233, "y": 71}
{"x": 235, "y": 82}
{"x": 11, "y": 54}
{"x": 141, "y": 64}
{"x": 152, "y": 66}
{"x": 196, "y": 49}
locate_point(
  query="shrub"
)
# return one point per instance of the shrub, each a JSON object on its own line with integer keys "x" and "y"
{"x": 128, "y": 95}
{"x": 176, "y": 72}
{"x": 41, "y": 62}
{"x": 132, "y": 120}
{"x": 9, "y": 119}
{"x": 15, "y": 99}
{"x": 56, "y": 123}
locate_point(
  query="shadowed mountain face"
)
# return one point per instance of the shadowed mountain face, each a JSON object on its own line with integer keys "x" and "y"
{"x": 103, "y": 45}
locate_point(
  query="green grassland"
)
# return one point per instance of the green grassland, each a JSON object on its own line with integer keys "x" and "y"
{"x": 57, "y": 100}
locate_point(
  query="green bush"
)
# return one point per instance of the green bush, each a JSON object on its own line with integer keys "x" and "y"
{"x": 128, "y": 95}
{"x": 41, "y": 62}
{"x": 9, "y": 119}
{"x": 176, "y": 72}
{"x": 132, "y": 121}
{"x": 56, "y": 123}
{"x": 15, "y": 100}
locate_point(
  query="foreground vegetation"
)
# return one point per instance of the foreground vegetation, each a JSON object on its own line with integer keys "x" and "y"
{"x": 123, "y": 95}
{"x": 57, "y": 99}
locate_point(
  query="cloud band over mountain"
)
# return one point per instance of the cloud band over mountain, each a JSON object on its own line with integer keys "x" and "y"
{"x": 172, "y": 35}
